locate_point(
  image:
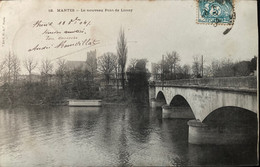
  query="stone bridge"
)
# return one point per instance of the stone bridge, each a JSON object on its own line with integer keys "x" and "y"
{"x": 203, "y": 99}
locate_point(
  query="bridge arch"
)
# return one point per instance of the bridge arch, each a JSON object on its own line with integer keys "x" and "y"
{"x": 234, "y": 120}
{"x": 178, "y": 107}
{"x": 181, "y": 104}
{"x": 159, "y": 100}
{"x": 229, "y": 101}
{"x": 231, "y": 115}
{"x": 160, "y": 97}
{"x": 179, "y": 100}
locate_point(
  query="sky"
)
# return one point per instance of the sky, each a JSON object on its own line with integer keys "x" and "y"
{"x": 152, "y": 29}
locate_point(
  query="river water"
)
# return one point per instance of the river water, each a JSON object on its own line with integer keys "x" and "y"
{"x": 107, "y": 136}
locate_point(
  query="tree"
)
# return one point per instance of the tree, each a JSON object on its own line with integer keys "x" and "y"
{"x": 122, "y": 54}
{"x": 16, "y": 68}
{"x": 156, "y": 70}
{"x": 60, "y": 72}
{"x": 196, "y": 67}
{"x": 61, "y": 65}
{"x": 186, "y": 70}
{"x": 46, "y": 69}
{"x": 132, "y": 63}
{"x": 117, "y": 69}
{"x": 10, "y": 68}
{"x": 253, "y": 64}
{"x": 215, "y": 67}
{"x": 107, "y": 64}
{"x": 241, "y": 68}
{"x": 30, "y": 64}
{"x": 92, "y": 62}
{"x": 140, "y": 65}
{"x": 138, "y": 80}
{"x": 164, "y": 68}
{"x": 227, "y": 68}
{"x": 172, "y": 59}
{"x": 2, "y": 68}
{"x": 79, "y": 84}
{"x": 222, "y": 68}
{"x": 208, "y": 71}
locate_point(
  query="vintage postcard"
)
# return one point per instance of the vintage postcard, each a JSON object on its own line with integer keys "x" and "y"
{"x": 128, "y": 83}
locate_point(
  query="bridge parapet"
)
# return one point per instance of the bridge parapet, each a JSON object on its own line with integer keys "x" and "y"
{"x": 235, "y": 83}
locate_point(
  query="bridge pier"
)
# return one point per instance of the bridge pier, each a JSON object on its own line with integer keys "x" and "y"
{"x": 156, "y": 103}
{"x": 176, "y": 112}
{"x": 201, "y": 133}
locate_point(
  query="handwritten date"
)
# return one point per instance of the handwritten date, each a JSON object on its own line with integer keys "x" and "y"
{"x": 75, "y": 21}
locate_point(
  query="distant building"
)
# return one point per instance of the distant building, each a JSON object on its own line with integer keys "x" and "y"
{"x": 92, "y": 62}
{"x": 71, "y": 65}
{"x": 34, "y": 78}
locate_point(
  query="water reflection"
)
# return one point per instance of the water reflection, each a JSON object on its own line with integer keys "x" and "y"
{"x": 111, "y": 135}
{"x": 218, "y": 155}
{"x": 139, "y": 124}
{"x": 84, "y": 118}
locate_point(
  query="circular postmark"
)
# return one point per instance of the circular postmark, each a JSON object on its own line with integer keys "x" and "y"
{"x": 215, "y": 10}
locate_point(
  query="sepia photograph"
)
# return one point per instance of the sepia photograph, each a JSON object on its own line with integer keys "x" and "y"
{"x": 129, "y": 83}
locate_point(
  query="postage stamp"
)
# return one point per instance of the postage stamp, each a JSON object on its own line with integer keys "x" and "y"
{"x": 215, "y": 12}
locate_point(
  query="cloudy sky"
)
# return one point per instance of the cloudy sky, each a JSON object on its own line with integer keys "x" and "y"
{"x": 152, "y": 29}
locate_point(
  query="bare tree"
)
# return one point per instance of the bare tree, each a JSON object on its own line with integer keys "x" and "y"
{"x": 208, "y": 71}
{"x": 156, "y": 70}
{"x": 61, "y": 65}
{"x": 196, "y": 65}
{"x": 117, "y": 69}
{"x": 122, "y": 54}
{"x": 9, "y": 67}
{"x": 107, "y": 64}
{"x": 241, "y": 68}
{"x": 30, "y": 64}
{"x": 2, "y": 68}
{"x": 16, "y": 68}
{"x": 60, "y": 72}
{"x": 215, "y": 67}
{"x": 222, "y": 68}
{"x": 186, "y": 70}
{"x": 46, "y": 69}
{"x": 227, "y": 68}
{"x": 132, "y": 63}
{"x": 172, "y": 59}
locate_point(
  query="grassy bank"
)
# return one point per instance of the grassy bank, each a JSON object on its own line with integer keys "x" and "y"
{"x": 53, "y": 95}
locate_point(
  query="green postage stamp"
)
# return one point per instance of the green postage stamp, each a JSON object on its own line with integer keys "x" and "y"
{"x": 215, "y": 12}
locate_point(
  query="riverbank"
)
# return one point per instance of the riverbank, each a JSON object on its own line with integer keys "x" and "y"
{"x": 42, "y": 93}
{"x": 105, "y": 102}
{"x": 110, "y": 99}
{"x": 122, "y": 99}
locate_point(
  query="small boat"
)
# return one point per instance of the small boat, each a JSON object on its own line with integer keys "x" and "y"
{"x": 85, "y": 103}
